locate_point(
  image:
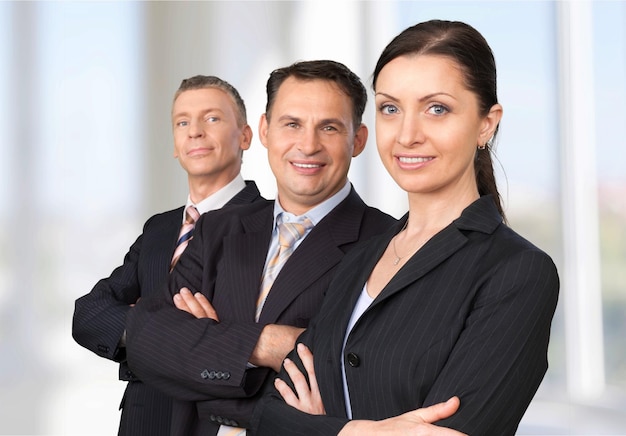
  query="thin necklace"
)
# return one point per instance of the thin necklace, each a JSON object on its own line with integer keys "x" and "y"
{"x": 393, "y": 244}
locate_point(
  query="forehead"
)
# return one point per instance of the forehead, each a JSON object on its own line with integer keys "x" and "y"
{"x": 421, "y": 74}
{"x": 203, "y": 98}
{"x": 316, "y": 96}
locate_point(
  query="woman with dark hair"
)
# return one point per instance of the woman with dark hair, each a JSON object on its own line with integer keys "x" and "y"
{"x": 451, "y": 302}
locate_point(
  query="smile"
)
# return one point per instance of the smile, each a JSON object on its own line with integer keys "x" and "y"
{"x": 414, "y": 160}
{"x": 200, "y": 150}
{"x": 303, "y": 165}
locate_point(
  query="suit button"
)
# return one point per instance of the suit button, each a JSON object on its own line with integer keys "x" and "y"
{"x": 226, "y": 376}
{"x": 220, "y": 420}
{"x": 353, "y": 360}
{"x": 205, "y": 374}
{"x": 219, "y": 374}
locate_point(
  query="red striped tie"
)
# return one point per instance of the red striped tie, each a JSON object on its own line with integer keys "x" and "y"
{"x": 186, "y": 233}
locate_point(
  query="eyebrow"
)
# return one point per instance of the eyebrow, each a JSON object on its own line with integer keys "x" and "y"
{"x": 424, "y": 98}
{"x": 203, "y": 112}
{"x": 322, "y": 122}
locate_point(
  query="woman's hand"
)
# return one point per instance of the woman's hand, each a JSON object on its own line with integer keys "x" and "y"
{"x": 307, "y": 397}
{"x": 416, "y": 422}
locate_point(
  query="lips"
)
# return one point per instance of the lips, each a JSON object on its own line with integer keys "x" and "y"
{"x": 199, "y": 151}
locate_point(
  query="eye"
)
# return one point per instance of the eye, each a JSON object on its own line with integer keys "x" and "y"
{"x": 292, "y": 124}
{"x": 182, "y": 123}
{"x": 388, "y": 109}
{"x": 438, "y": 109}
{"x": 212, "y": 119}
{"x": 329, "y": 129}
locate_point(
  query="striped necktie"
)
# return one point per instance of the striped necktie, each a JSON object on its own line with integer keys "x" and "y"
{"x": 288, "y": 234}
{"x": 186, "y": 233}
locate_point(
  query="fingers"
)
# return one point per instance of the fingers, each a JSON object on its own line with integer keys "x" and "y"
{"x": 298, "y": 379}
{"x": 307, "y": 360}
{"x": 206, "y": 306}
{"x": 306, "y": 357}
{"x": 285, "y": 391}
{"x": 439, "y": 411}
{"x": 196, "y": 304}
{"x": 303, "y": 399}
{"x": 180, "y": 302}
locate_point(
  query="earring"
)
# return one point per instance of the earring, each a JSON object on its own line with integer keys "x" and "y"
{"x": 486, "y": 144}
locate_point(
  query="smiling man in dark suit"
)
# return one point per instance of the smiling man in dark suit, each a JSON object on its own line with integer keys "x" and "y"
{"x": 214, "y": 345}
{"x": 210, "y": 134}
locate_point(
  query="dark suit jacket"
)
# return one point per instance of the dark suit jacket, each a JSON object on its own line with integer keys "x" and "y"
{"x": 99, "y": 317}
{"x": 468, "y": 315}
{"x": 203, "y": 361}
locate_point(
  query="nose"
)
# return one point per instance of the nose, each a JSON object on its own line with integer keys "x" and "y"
{"x": 411, "y": 132}
{"x": 309, "y": 142}
{"x": 195, "y": 129}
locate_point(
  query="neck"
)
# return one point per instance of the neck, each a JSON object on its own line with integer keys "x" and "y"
{"x": 202, "y": 187}
{"x": 434, "y": 212}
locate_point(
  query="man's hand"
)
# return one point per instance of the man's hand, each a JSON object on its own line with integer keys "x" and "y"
{"x": 275, "y": 342}
{"x": 416, "y": 422}
{"x": 195, "y": 304}
{"x": 307, "y": 397}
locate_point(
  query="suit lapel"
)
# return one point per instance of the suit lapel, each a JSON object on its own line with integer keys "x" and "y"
{"x": 160, "y": 242}
{"x": 352, "y": 284}
{"x": 245, "y": 255}
{"x": 171, "y": 227}
{"x": 315, "y": 256}
{"x": 481, "y": 216}
{"x": 248, "y": 194}
{"x": 439, "y": 248}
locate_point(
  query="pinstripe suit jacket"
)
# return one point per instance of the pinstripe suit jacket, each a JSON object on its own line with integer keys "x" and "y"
{"x": 99, "y": 316}
{"x": 202, "y": 361}
{"x": 468, "y": 315}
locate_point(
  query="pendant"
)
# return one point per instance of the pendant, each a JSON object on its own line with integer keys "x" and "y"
{"x": 395, "y": 262}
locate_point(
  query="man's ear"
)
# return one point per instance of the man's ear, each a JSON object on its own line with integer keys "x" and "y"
{"x": 263, "y": 127}
{"x": 246, "y": 137}
{"x": 360, "y": 139}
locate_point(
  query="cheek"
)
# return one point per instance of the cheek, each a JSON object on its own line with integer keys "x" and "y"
{"x": 384, "y": 144}
{"x": 344, "y": 153}
{"x": 274, "y": 155}
{"x": 385, "y": 133}
{"x": 177, "y": 146}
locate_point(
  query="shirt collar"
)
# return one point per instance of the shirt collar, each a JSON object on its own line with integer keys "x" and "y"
{"x": 317, "y": 213}
{"x": 218, "y": 199}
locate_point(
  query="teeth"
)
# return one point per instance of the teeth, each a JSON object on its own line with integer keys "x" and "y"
{"x": 414, "y": 160}
{"x": 301, "y": 165}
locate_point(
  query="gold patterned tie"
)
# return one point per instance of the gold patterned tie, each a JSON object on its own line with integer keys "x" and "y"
{"x": 288, "y": 234}
{"x": 186, "y": 233}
